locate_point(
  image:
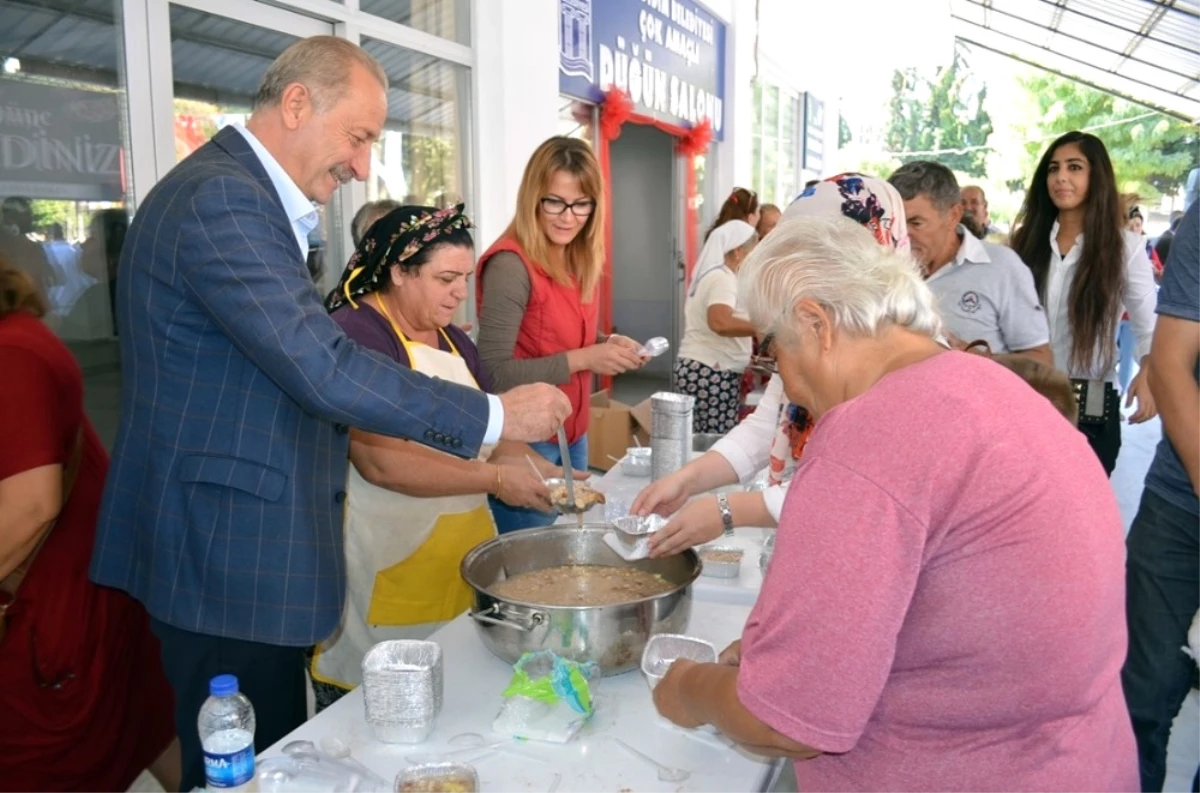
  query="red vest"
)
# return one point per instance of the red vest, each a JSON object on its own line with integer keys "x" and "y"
{"x": 556, "y": 320}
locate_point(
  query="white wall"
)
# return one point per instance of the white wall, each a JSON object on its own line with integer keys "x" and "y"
{"x": 515, "y": 94}
{"x": 732, "y": 161}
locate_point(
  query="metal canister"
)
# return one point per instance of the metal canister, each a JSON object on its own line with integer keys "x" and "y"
{"x": 670, "y": 432}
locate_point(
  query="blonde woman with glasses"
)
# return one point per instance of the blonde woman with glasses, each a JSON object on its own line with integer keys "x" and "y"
{"x": 538, "y": 303}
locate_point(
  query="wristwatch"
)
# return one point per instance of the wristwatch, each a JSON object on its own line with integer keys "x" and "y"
{"x": 726, "y": 514}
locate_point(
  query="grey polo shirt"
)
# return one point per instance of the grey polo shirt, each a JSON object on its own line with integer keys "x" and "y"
{"x": 987, "y": 293}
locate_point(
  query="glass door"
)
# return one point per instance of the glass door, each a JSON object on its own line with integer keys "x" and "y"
{"x": 219, "y": 52}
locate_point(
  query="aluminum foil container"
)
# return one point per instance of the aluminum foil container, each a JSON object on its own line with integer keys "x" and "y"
{"x": 721, "y": 567}
{"x": 402, "y": 689}
{"x": 670, "y": 432}
{"x": 438, "y": 778}
{"x": 670, "y": 402}
{"x": 636, "y": 461}
{"x": 633, "y": 529}
{"x": 664, "y": 649}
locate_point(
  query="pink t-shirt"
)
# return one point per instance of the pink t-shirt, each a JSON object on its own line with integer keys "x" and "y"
{"x": 945, "y": 609}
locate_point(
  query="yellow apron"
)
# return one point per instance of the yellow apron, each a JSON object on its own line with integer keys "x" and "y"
{"x": 403, "y": 552}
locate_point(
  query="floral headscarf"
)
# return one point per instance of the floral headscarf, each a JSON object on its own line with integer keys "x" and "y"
{"x": 879, "y": 208}
{"x": 394, "y": 238}
{"x": 872, "y": 202}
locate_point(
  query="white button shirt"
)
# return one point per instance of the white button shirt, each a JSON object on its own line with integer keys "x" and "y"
{"x": 1138, "y": 295}
{"x": 302, "y": 213}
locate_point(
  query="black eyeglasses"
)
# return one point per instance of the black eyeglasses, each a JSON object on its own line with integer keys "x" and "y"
{"x": 764, "y": 361}
{"x": 556, "y": 206}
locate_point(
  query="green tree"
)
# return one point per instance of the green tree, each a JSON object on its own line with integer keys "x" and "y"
{"x": 941, "y": 112}
{"x": 49, "y": 212}
{"x": 430, "y": 168}
{"x": 1151, "y": 152}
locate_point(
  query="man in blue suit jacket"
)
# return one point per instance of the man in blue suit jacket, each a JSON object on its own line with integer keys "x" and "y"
{"x": 223, "y": 507}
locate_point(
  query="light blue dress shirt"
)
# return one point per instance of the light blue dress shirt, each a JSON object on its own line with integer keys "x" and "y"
{"x": 301, "y": 212}
{"x": 303, "y": 216}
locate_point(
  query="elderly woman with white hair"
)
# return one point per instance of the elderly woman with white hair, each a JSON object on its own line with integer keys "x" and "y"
{"x": 940, "y": 613}
{"x": 716, "y": 345}
{"x": 774, "y": 435}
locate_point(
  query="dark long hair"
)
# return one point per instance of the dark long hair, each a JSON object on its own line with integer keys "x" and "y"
{"x": 1094, "y": 298}
{"x": 740, "y": 205}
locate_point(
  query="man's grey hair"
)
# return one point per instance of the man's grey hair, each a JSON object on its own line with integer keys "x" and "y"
{"x": 982, "y": 195}
{"x": 368, "y": 214}
{"x": 839, "y": 265}
{"x": 323, "y": 65}
{"x": 931, "y": 179}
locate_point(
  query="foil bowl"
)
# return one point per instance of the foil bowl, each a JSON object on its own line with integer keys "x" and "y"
{"x": 438, "y": 778}
{"x": 721, "y": 561}
{"x": 402, "y": 689}
{"x": 665, "y": 649}
{"x": 637, "y": 461}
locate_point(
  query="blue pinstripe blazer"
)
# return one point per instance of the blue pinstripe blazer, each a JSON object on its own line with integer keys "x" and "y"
{"x": 222, "y": 512}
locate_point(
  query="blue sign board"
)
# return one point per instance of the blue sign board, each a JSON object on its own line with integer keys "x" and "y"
{"x": 669, "y": 55}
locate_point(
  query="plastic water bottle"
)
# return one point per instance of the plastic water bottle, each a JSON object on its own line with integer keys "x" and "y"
{"x": 227, "y": 735}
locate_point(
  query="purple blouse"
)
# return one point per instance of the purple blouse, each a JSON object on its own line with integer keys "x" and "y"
{"x": 368, "y": 327}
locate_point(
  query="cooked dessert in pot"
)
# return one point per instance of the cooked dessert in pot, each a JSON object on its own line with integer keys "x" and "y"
{"x": 581, "y": 585}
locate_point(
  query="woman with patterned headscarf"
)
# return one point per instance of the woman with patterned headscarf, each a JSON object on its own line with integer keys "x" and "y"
{"x": 413, "y": 512}
{"x": 774, "y": 434}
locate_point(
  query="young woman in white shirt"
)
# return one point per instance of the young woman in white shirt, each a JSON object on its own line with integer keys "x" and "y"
{"x": 1088, "y": 270}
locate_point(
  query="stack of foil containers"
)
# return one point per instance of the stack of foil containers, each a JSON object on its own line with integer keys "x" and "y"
{"x": 402, "y": 689}
{"x": 670, "y": 433}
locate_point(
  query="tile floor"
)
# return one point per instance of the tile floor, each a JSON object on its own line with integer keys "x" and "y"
{"x": 102, "y": 387}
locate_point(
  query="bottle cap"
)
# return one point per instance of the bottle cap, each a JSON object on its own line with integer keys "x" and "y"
{"x": 223, "y": 686}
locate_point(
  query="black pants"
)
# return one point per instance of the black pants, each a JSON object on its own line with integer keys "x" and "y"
{"x": 272, "y": 677}
{"x": 1105, "y": 439}
{"x": 1162, "y": 593}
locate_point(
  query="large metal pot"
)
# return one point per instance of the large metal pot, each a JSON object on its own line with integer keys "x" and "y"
{"x": 612, "y": 636}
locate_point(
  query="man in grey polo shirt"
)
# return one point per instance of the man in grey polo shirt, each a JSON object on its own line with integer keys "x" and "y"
{"x": 984, "y": 291}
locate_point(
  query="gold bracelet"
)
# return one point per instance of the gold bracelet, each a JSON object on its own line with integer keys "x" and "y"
{"x": 499, "y": 481}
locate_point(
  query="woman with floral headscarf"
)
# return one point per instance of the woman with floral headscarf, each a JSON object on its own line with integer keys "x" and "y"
{"x": 775, "y": 433}
{"x": 413, "y": 512}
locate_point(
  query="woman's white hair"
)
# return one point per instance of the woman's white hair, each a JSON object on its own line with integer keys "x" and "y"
{"x": 839, "y": 265}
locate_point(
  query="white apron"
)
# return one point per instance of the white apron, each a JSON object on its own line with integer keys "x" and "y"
{"x": 403, "y": 552}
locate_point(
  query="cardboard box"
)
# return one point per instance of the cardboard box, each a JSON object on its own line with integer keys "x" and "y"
{"x": 613, "y": 428}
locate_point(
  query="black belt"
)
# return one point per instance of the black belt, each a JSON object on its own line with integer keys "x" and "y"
{"x": 1098, "y": 400}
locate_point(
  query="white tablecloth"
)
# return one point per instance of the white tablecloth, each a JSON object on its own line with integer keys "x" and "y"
{"x": 474, "y": 680}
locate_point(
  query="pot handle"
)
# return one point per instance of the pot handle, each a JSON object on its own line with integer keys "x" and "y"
{"x": 496, "y": 614}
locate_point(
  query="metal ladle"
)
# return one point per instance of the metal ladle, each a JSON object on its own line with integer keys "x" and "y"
{"x": 569, "y": 509}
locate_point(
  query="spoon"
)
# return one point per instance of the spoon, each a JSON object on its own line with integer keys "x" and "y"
{"x": 665, "y": 772}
